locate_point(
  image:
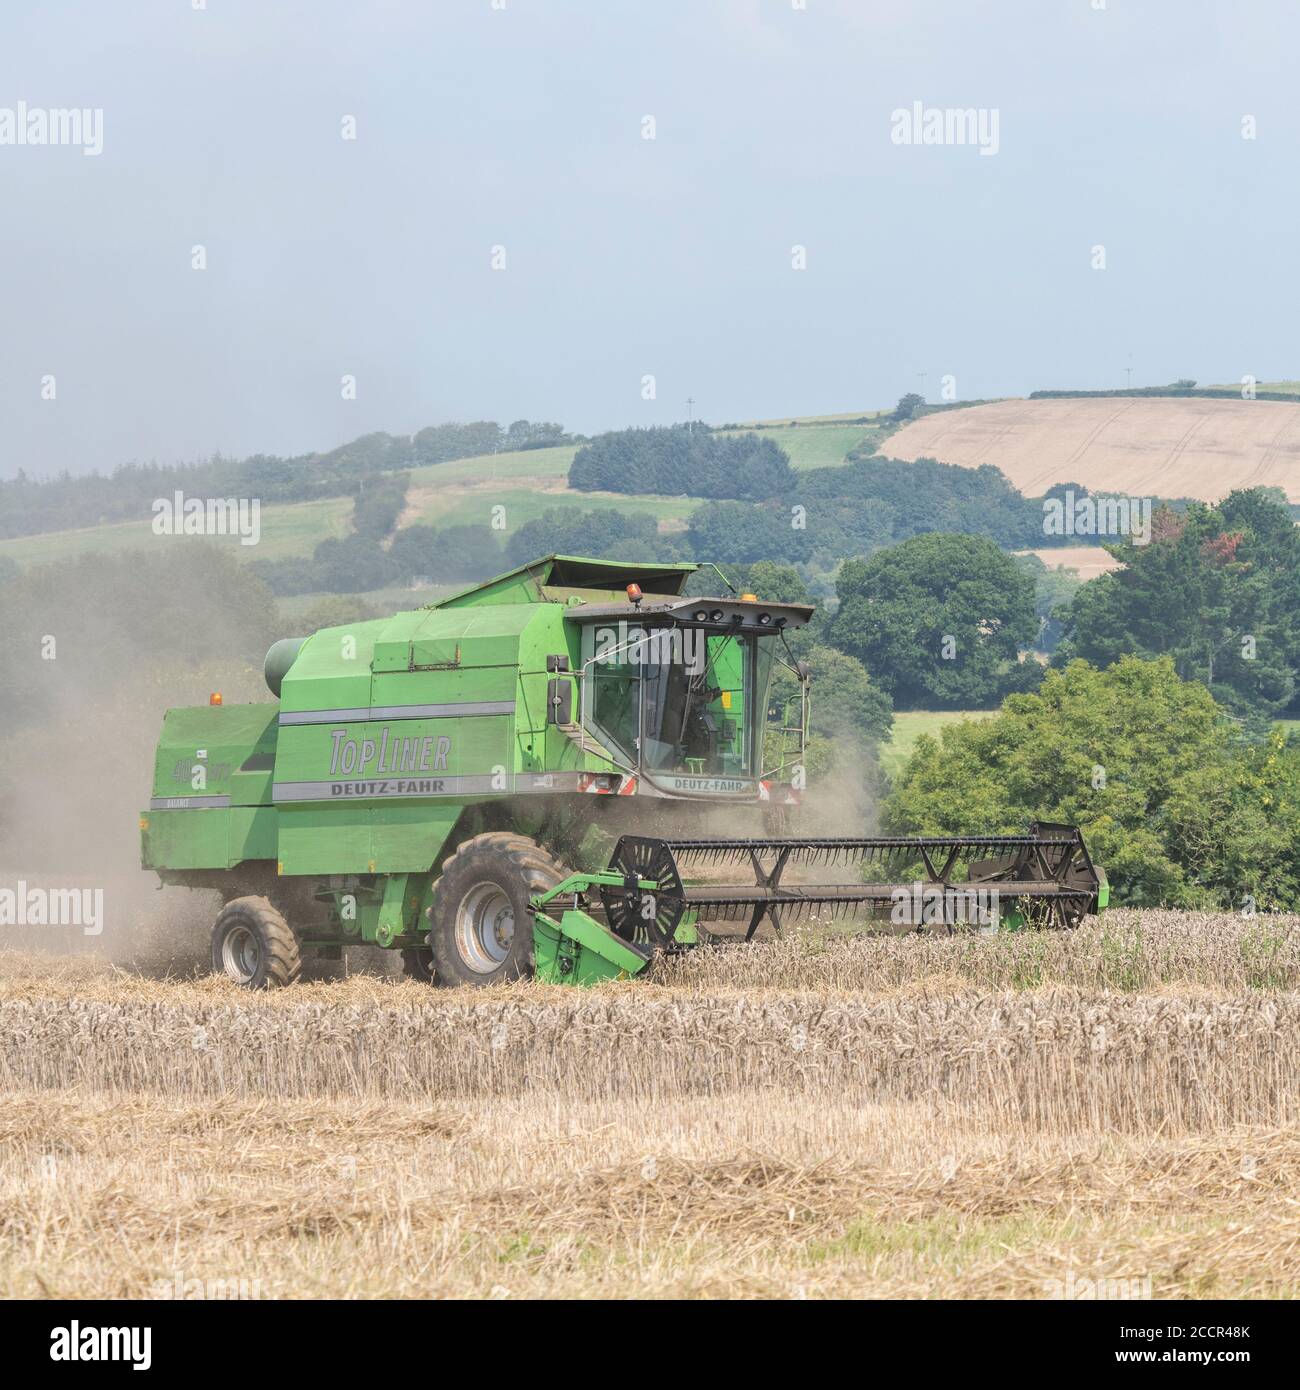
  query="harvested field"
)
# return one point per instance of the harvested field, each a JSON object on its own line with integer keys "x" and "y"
{"x": 1087, "y": 561}
{"x": 690, "y": 1198}
{"x": 967, "y": 1116}
{"x": 1142, "y": 447}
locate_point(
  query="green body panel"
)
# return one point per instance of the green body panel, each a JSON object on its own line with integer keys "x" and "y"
{"x": 202, "y": 751}
{"x": 577, "y": 950}
{"x": 210, "y": 804}
{"x": 572, "y": 948}
{"x": 208, "y": 839}
{"x": 359, "y": 839}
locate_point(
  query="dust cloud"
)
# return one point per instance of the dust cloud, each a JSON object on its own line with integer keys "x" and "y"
{"x": 94, "y": 653}
{"x": 74, "y": 790}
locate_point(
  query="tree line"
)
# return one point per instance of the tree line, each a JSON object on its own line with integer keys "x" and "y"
{"x": 30, "y": 506}
{"x": 761, "y": 508}
{"x": 1183, "y": 387}
{"x": 682, "y": 460}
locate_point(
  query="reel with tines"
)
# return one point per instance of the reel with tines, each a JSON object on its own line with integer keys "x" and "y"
{"x": 644, "y": 916}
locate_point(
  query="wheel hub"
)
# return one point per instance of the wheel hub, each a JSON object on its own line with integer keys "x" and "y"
{"x": 241, "y": 954}
{"x": 485, "y": 928}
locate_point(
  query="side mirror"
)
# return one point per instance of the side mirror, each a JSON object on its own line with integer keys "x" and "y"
{"x": 559, "y": 701}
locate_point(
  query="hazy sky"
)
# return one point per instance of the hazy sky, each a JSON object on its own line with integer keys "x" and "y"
{"x": 520, "y": 125}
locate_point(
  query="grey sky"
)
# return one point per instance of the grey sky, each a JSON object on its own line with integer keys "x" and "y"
{"x": 522, "y": 128}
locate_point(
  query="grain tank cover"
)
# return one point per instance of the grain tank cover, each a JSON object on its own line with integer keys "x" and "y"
{"x": 541, "y": 580}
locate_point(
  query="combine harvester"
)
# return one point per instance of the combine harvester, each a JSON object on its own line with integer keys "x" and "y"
{"x": 424, "y": 777}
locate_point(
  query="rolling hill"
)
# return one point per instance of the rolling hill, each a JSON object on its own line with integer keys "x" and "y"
{"x": 1170, "y": 447}
{"x": 1142, "y": 446}
{"x": 463, "y": 491}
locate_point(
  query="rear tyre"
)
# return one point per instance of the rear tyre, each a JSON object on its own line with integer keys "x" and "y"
{"x": 254, "y": 946}
{"x": 480, "y": 930}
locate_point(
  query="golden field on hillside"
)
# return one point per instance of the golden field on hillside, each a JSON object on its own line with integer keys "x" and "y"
{"x": 1138, "y": 446}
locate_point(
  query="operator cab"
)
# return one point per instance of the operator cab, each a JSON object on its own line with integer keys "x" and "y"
{"x": 677, "y": 688}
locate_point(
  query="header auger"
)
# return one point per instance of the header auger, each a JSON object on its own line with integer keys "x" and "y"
{"x": 426, "y": 783}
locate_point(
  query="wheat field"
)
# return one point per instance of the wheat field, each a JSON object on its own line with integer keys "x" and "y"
{"x": 952, "y": 1116}
{"x": 1139, "y": 446}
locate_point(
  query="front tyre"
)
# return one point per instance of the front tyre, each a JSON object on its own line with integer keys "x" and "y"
{"x": 480, "y": 930}
{"x": 254, "y": 946}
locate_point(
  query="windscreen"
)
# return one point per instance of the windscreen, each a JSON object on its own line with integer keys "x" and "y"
{"x": 677, "y": 699}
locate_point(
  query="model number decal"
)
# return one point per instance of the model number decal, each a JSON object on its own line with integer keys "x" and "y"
{"x": 388, "y": 753}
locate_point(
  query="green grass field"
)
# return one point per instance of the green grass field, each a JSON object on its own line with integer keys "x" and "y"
{"x": 291, "y": 528}
{"x": 526, "y": 484}
{"x": 474, "y": 506}
{"x": 910, "y": 724}
{"x": 817, "y": 446}
{"x": 524, "y": 463}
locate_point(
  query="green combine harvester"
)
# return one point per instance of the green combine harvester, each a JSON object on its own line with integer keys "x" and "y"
{"x": 434, "y": 783}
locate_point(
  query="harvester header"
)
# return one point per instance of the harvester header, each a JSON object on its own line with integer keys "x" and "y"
{"x": 644, "y": 900}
